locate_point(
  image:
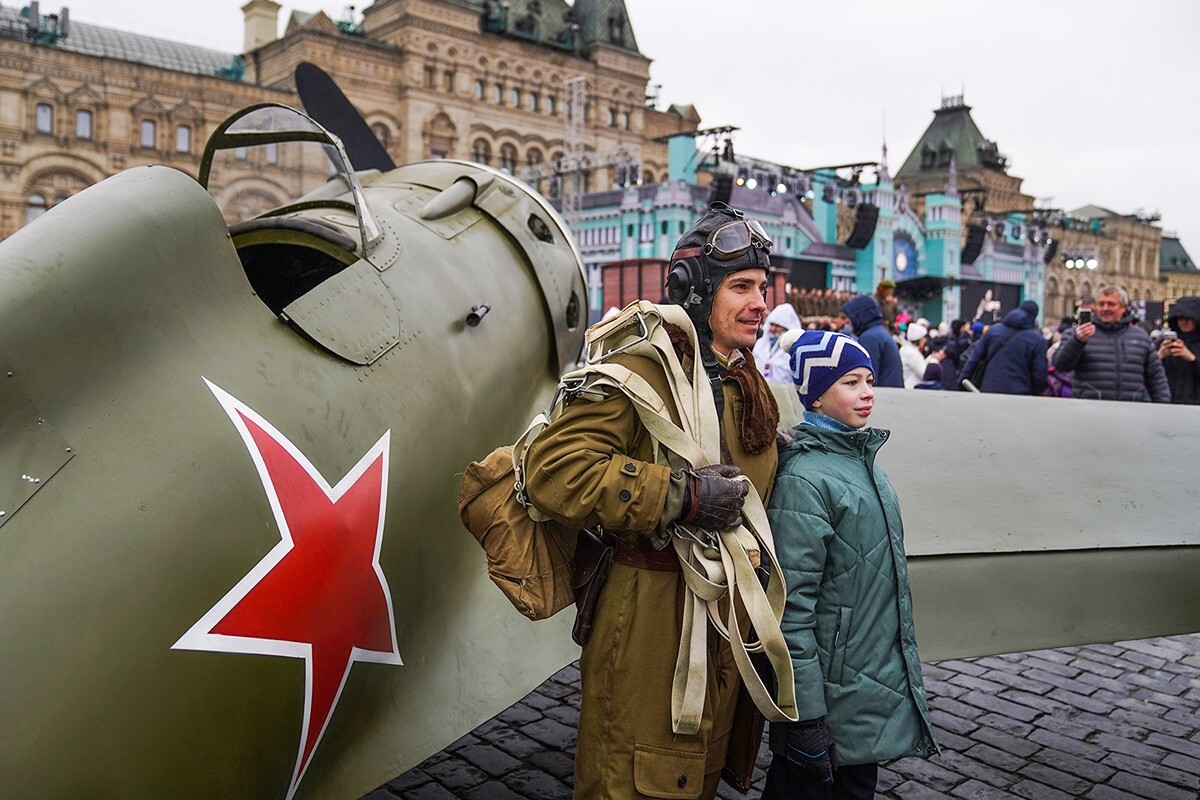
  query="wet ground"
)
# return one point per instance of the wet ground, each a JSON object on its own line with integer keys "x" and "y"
{"x": 1103, "y": 722}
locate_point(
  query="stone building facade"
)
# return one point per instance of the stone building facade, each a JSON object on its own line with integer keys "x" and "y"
{"x": 465, "y": 79}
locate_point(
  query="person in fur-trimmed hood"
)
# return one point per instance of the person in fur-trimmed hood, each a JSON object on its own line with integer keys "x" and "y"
{"x": 1178, "y": 353}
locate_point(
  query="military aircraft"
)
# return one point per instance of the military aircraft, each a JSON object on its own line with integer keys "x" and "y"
{"x": 230, "y": 560}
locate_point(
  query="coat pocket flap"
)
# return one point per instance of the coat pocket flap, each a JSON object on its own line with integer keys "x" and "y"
{"x": 658, "y": 772}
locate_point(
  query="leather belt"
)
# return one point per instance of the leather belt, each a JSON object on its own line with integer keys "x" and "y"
{"x": 641, "y": 556}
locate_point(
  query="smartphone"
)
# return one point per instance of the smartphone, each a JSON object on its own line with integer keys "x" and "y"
{"x": 1085, "y": 316}
{"x": 1170, "y": 336}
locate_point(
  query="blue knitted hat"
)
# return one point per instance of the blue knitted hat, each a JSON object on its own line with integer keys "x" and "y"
{"x": 820, "y": 358}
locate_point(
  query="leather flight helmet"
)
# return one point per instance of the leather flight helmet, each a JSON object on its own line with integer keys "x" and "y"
{"x": 722, "y": 241}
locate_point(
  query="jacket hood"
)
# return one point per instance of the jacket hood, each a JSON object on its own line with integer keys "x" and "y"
{"x": 863, "y": 312}
{"x": 1184, "y": 307}
{"x": 854, "y": 443}
{"x": 783, "y": 315}
{"x": 1018, "y": 320}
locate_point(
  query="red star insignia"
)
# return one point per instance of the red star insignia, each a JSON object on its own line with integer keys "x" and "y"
{"x": 320, "y": 594}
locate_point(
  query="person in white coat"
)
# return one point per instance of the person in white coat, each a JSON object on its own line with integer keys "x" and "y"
{"x": 911, "y": 357}
{"x": 772, "y": 360}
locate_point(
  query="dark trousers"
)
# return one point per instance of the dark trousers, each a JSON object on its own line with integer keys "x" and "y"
{"x": 786, "y": 781}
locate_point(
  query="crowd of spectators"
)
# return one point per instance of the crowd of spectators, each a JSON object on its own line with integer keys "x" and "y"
{"x": 1102, "y": 352}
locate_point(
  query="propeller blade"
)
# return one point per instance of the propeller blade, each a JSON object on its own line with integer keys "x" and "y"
{"x": 325, "y": 103}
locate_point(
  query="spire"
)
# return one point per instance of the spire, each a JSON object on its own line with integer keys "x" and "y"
{"x": 883, "y": 176}
{"x": 952, "y": 181}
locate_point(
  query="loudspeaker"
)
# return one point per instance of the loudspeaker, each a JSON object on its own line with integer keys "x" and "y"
{"x": 722, "y": 188}
{"x": 1051, "y": 251}
{"x": 864, "y": 226}
{"x": 851, "y": 198}
{"x": 971, "y": 250}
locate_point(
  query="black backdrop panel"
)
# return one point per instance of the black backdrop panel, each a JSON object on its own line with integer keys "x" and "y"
{"x": 978, "y": 304}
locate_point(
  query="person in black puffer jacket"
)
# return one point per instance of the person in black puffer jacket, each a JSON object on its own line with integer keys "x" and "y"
{"x": 1179, "y": 355}
{"x": 1112, "y": 358}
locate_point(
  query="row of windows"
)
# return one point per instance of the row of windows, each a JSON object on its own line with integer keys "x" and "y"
{"x": 530, "y": 101}
{"x": 85, "y": 128}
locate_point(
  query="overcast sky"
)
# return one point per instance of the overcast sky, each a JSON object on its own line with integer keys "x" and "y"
{"x": 1092, "y": 102}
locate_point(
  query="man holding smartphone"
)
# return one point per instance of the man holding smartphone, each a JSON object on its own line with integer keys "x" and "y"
{"x": 1112, "y": 358}
{"x": 1181, "y": 342}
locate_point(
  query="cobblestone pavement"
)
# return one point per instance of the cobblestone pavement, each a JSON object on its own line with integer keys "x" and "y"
{"x": 1103, "y": 722}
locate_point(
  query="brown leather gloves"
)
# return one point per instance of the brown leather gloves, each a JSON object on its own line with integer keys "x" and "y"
{"x": 713, "y": 501}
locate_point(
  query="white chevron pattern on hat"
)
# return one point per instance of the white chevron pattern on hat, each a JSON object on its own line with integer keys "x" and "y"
{"x": 840, "y": 342}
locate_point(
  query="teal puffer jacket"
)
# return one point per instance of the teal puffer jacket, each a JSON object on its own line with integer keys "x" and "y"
{"x": 848, "y": 620}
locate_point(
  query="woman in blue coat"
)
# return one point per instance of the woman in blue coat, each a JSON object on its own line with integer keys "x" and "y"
{"x": 848, "y": 618}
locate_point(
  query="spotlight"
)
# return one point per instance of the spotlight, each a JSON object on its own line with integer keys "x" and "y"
{"x": 1092, "y": 263}
{"x": 781, "y": 188}
{"x": 751, "y": 184}
{"x": 741, "y": 181}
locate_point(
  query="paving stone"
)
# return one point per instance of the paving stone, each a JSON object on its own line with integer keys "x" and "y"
{"x": 1100, "y": 722}
{"x": 1168, "y": 687}
{"x": 1148, "y": 788}
{"x": 430, "y": 791}
{"x": 1038, "y": 791}
{"x": 1036, "y": 702}
{"x": 943, "y": 721}
{"x": 1109, "y": 793}
{"x": 954, "y": 708}
{"x": 887, "y": 781}
{"x": 951, "y": 741}
{"x": 1131, "y": 747}
{"x": 519, "y": 714}
{"x": 977, "y": 683}
{"x": 943, "y": 688}
{"x": 1059, "y": 681}
{"x": 1006, "y": 724}
{"x": 1062, "y": 655}
{"x": 534, "y": 785}
{"x": 987, "y": 702}
{"x": 516, "y": 744}
{"x": 1148, "y": 769}
{"x": 995, "y": 757}
{"x": 912, "y": 790}
{"x": 567, "y": 715}
{"x": 1022, "y": 748}
{"x": 1152, "y": 647}
{"x": 1144, "y": 659}
{"x": 997, "y": 663}
{"x": 975, "y": 790}
{"x": 454, "y": 773}
{"x": 492, "y": 760}
{"x": 1091, "y": 666}
{"x": 557, "y": 764}
{"x": 1184, "y": 746}
{"x": 934, "y": 672}
{"x": 550, "y": 733}
{"x": 465, "y": 741}
{"x": 1017, "y": 681}
{"x": 1075, "y": 700}
{"x": 410, "y": 780}
{"x": 1063, "y": 781}
{"x": 1103, "y": 682}
{"x": 1185, "y": 763}
{"x": 971, "y": 768}
{"x": 1069, "y": 744}
{"x": 556, "y": 690}
{"x": 927, "y": 774}
{"x": 1053, "y": 667}
{"x": 492, "y": 790}
{"x": 539, "y": 701}
{"x": 964, "y": 667}
{"x": 1066, "y": 762}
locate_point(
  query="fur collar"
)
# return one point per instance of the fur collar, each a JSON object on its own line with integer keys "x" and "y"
{"x": 760, "y": 412}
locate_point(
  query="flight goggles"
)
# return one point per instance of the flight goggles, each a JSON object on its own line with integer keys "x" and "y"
{"x": 735, "y": 239}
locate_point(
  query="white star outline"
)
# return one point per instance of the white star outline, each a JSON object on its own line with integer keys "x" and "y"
{"x": 199, "y": 636}
{"x": 831, "y": 360}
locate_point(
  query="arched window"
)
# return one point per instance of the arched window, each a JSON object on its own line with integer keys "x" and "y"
{"x": 271, "y": 153}
{"x": 382, "y": 134}
{"x": 44, "y": 118}
{"x": 478, "y": 90}
{"x": 647, "y": 176}
{"x": 149, "y": 133}
{"x": 35, "y": 206}
{"x": 183, "y": 139}
{"x": 481, "y": 152}
{"x": 83, "y": 124}
{"x": 508, "y": 158}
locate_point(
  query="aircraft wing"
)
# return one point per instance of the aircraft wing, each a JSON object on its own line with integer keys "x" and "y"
{"x": 1035, "y": 522}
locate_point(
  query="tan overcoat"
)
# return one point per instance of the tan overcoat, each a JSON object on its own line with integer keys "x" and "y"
{"x": 594, "y": 465}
